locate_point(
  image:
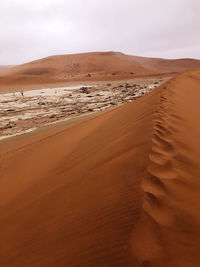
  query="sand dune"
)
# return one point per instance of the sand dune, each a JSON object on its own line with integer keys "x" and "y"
{"x": 160, "y": 65}
{"x": 96, "y": 66}
{"x": 170, "y": 221}
{"x": 119, "y": 189}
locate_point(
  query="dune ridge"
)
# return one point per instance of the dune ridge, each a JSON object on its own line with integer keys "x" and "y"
{"x": 170, "y": 185}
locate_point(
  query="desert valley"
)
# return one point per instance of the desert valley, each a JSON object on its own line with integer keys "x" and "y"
{"x": 61, "y": 88}
{"x": 99, "y": 162}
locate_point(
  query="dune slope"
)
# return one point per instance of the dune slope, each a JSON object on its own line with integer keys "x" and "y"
{"x": 72, "y": 197}
{"x": 121, "y": 189}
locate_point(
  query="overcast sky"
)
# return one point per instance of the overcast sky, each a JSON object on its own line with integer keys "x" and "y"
{"x": 32, "y": 29}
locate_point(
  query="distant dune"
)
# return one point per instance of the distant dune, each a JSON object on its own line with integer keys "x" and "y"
{"x": 160, "y": 65}
{"x": 86, "y": 67}
{"x": 119, "y": 189}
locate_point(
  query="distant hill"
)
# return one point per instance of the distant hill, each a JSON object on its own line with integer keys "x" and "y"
{"x": 95, "y": 66}
{"x": 158, "y": 65}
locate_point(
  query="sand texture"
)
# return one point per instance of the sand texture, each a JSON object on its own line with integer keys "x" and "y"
{"x": 119, "y": 189}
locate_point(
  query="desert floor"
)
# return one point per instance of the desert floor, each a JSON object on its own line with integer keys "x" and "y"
{"x": 25, "y": 111}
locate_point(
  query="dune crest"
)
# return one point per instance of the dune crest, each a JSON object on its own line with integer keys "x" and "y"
{"x": 171, "y": 188}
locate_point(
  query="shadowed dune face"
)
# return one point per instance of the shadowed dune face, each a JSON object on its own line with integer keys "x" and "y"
{"x": 121, "y": 189}
{"x": 96, "y": 66}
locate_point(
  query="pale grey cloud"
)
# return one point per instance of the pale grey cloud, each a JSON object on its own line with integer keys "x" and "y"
{"x": 34, "y": 29}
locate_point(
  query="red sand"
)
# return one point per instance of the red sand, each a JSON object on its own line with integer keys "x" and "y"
{"x": 100, "y": 66}
{"x": 120, "y": 189}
